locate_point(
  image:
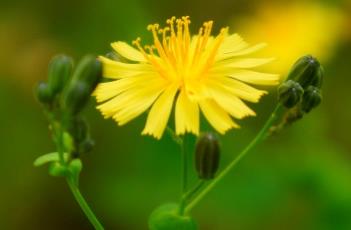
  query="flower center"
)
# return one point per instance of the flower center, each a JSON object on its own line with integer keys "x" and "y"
{"x": 181, "y": 58}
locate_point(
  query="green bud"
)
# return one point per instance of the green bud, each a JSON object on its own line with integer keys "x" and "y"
{"x": 83, "y": 83}
{"x": 311, "y": 98}
{"x": 166, "y": 217}
{"x": 76, "y": 97}
{"x": 207, "y": 156}
{"x": 78, "y": 128}
{"x": 307, "y": 71}
{"x": 43, "y": 93}
{"x": 89, "y": 71}
{"x": 290, "y": 93}
{"x": 60, "y": 70}
{"x": 57, "y": 170}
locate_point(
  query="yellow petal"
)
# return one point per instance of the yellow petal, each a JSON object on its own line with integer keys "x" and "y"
{"x": 137, "y": 106}
{"x": 225, "y": 54}
{"x": 159, "y": 114}
{"x": 107, "y": 90}
{"x": 128, "y": 51}
{"x": 238, "y": 88}
{"x": 131, "y": 96}
{"x": 249, "y": 50}
{"x": 116, "y": 70}
{"x": 240, "y": 63}
{"x": 253, "y": 77}
{"x": 186, "y": 115}
{"x": 232, "y": 43}
{"x": 230, "y": 102}
{"x": 216, "y": 116}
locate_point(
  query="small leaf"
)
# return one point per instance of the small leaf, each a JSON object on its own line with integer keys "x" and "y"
{"x": 57, "y": 170}
{"x": 47, "y": 158}
{"x": 166, "y": 217}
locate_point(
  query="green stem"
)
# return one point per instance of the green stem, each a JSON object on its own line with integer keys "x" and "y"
{"x": 259, "y": 137}
{"x": 194, "y": 190}
{"x": 58, "y": 132}
{"x": 187, "y": 196}
{"x": 83, "y": 204}
{"x": 184, "y": 174}
{"x": 59, "y": 140}
{"x": 184, "y": 163}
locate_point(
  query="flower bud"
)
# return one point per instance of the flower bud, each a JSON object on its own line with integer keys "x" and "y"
{"x": 207, "y": 156}
{"x": 307, "y": 71}
{"x": 78, "y": 128}
{"x": 89, "y": 71}
{"x": 83, "y": 83}
{"x": 311, "y": 99}
{"x": 43, "y": 93}
{"x": 60, "y": 70}
{"x": 76, "y": 97}
{"x": 290, "y": 93}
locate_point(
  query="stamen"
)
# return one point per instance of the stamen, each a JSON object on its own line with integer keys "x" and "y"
{"x": 136, "y": 43}
{"x": 217, "y": 42}
{"x": 197, "y": 47}
{"x": 174, "y": 59}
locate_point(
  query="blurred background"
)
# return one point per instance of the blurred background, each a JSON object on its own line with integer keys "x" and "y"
{"x": 300, "y": 179}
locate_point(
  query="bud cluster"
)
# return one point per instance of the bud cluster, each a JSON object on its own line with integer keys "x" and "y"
{"x": 301, "y": 92}
{"x": 64, "y": 96}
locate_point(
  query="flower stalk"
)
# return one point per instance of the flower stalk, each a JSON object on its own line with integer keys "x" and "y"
{"x": 259, "y": 137}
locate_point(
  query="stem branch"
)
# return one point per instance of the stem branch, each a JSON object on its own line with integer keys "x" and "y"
{"x": 258, "y": 138}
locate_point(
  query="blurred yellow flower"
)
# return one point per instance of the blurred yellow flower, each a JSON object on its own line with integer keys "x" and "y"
{"x": 200, "y": 72}
{"x": 293, "y": 30}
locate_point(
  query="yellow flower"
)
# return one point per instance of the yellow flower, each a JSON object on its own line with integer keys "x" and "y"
{"x": 199, "y": 72}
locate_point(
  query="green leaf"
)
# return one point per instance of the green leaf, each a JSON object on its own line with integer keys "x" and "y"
{"x": 166, "y": 217}
{"x": 58, "y": 170}
{"x": 47, "y": 158}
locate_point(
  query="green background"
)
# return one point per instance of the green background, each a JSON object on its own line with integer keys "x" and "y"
{"x": 300, "y": 179}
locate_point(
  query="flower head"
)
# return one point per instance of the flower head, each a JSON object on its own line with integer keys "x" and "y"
{"x": 197, "y": 73}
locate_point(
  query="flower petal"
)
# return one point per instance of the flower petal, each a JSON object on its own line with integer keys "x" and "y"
{"x": 226, "y": 54}
{"x": 186, "y": 115}
{"x": 230, "y": 64}
{"x": 136, "y": 106}
{"x": 253, "y": 77}
{"x": 107, "y": 90}
{"x": 116, "y": 70}
{"x": 232, "y": 43}
{"x": 230, "y": 102}
{"x": 131, "y": 96}
{"x": 236, "y": 87}
{"x": 216, "y": 116}
{"x": 159, "y": 114}
{"x": 128, "y": 51}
